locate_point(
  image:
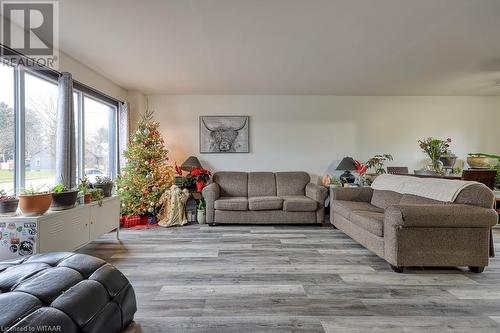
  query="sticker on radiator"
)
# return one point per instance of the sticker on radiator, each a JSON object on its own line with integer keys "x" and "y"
{"x": 26, "y": 248}
{"x": 13, "y": 248}
{"x": 30, "y": 225}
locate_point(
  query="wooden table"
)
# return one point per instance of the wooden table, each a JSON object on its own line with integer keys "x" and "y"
{"x": 454, "y": 177}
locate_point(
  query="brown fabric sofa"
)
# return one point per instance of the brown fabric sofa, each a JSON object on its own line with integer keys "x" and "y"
{"x": 264, "y": 198}
{"x": 408, "y": 230}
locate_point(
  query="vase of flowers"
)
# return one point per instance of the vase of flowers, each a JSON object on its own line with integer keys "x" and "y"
{"x": 435, "y": 149}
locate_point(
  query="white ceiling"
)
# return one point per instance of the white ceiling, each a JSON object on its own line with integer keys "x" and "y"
{"x": 337, "y": 47}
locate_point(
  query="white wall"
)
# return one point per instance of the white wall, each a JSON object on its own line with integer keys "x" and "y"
{"x": 88, "y": 76}
{"x": 310, "y": 132}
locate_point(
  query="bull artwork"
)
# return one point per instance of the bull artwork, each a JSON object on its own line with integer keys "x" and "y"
{"x": 224, "y": 134}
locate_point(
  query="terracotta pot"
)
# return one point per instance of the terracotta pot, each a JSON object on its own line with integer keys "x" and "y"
{"x": 478, "y": 162}
{"x": 34, "y": 205}
{"x": 87, "y": 198}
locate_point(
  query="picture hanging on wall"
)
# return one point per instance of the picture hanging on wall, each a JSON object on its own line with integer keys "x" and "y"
{"x": 224, "y": 134}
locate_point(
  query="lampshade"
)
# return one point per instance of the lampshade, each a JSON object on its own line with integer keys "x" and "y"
{"x": 347, "y": 163}
{"x": 190, "y": 163}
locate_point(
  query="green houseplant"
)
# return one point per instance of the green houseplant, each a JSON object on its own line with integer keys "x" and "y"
{"x": 96, "y": 195}
{"x": 8, "y": 203}
{"x": 201, "y": 214}
{"x": 34, "y": 201}
{"x": 84, "y": 189}
{"x": 63, "y": 198}
{"x": 105, "y": 184}
{"x": 377, "y": 162}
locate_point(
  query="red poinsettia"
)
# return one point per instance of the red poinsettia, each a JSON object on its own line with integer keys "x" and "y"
{"x": 361, "y": 168}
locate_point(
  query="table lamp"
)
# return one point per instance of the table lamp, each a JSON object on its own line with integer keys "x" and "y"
{"x": 347, "y": 164}
{"x": 191, "y": 163}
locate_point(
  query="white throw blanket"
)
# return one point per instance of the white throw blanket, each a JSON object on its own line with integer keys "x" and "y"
{"x": 433, "y": 188}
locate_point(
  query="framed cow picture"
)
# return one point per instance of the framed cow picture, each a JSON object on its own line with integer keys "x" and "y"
{"x": 224, "y": 134}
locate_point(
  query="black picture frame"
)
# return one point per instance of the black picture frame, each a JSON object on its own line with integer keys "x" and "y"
{"x": 207, "y": 124}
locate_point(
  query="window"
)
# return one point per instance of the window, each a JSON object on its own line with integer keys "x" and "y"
{"x": 96, "y": 137}
{"x": 7, "y": 128}
{"x": 28, "y": 126}
{"x": 40, "y": 131}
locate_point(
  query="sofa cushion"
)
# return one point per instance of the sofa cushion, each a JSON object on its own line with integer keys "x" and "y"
{"x": 291, "y": 183}
{"x": 265, "y": 203}
{"x": 372, "y": 222}
{"x": 261, "y": 184}
{"x": 383, "y": 199}
{"x": 299, "y": 203}
{"x": 345, "y": 208}
{"x": 232, "y": 184}
{"x": 476, "y": 195}
{"x": 231, "y": 203}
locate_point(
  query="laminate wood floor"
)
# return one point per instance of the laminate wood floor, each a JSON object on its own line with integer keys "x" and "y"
{"x": 291, "y": 279}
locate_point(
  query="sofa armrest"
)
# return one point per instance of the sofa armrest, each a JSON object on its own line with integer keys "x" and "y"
{"x": 440, "y": 216}
{"x": 210, "y": 193}
{"x": 362, "y": 194}
{"x": 316, "y": 192}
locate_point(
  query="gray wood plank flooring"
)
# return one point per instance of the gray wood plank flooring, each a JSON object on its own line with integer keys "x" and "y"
{"x": 291, "y": 279}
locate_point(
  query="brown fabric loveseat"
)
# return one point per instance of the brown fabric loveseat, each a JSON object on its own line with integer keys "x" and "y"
{"x": 264, "y": 198}
{"x": 409, "y": 230}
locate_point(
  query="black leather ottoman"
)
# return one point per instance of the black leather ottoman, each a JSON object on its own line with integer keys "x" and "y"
{"x": 64, "y": 292}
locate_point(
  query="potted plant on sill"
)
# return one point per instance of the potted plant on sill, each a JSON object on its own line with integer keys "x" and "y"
{"x": 8, "y": 203}
{"x": 34, "y": 201}
{"x": 96, "y": 195}
{"x": 63, "y": 198}
{"x": 84, "y": 188}
{"x": 200, "y": 214}
{"x": 105, "y": 184}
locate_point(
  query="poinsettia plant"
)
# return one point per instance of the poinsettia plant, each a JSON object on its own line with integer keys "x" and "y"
{"x": 361, "y": 168}
{"x": 199, "y": 177}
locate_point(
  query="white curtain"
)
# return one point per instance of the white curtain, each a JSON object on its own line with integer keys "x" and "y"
{"x": 65, "y": 141}
{"x": 124, "y": 130}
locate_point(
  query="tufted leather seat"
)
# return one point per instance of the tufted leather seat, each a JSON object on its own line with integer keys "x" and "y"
{"x": 66, "y": 291}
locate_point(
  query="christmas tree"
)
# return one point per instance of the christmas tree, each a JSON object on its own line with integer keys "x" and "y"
{"x": 147, "y": 174}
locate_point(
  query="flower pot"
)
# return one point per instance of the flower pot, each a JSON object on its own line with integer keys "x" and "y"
{"x": 87, "y": 198}
{"x": 64, "y": 200}
{"x": 200, "y": 216}
{"x": 478, "y": 162}
{"x": 106, "y": 188}
{"x": 36, "y": 204}
{"x": 9, "y": 207}
{"x": 448, "y": 161}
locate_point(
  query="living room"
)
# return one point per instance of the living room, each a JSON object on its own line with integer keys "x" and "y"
{"x": 249, "y": 166}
